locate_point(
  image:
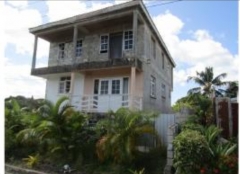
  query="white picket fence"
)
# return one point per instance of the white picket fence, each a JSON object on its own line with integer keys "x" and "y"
{"x": 162, "y": 123}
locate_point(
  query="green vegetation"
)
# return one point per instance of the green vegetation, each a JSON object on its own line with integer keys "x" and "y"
{"x": 122, "y": 133}
{"x": 199, "y": 150}
{"x": 46, "y": 136}
{"x": 199, "y": 147}
{"x": 208, "y": 83}
{"x": 191, "y": 152}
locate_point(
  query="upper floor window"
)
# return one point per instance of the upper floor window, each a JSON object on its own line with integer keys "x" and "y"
{"x": 128, "y": 40}
{"x": 104, "y": 44}
{"x": 153, "y": 48}
{"x": 79, "y": 48}
{"x": 153, "y": 87}
{"x": 61, "y": 47}
{"x": 163, "y": 61}
{"x": 64, "y": 85}
{"x": 163, "y": 90}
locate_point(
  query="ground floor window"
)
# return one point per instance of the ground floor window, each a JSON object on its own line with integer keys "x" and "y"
{"x": 64, "y": 84}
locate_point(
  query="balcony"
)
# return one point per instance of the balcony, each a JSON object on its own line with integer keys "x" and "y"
{"x": 96, "y": 65}
{"x": 105, "y": 103}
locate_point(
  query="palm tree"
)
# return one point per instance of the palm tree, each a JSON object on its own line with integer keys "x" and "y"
{"x": 232, "y": 89}
{"x": 122, "y": 131}
{"x": 208, "y": 83}
{"x": 57, "y": 126}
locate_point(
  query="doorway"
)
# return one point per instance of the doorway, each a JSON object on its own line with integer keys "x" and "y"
{"x": 116, "y": 45}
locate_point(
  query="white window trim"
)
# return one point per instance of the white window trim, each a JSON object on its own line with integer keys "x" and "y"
{"x": 80, "y": 39}
{"x": 114, "y": 78}
{"x": 123, "y": 46}
{"x": 65, "y": 84}
{"x": 106, "y": 34}
{"x": 153, "y": 90}
{"x": 110, "y": 85}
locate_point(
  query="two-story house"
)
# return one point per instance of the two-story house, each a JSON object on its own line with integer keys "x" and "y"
{"x": 107, "y": 59}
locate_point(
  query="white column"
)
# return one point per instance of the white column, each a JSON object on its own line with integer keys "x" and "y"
{"x": 135, "y": 29}
{"x": 72, "y": 87}
{"x": 34, "y": 52}
{"x": 133, "y": 82}
{"x": 75, "y": 35}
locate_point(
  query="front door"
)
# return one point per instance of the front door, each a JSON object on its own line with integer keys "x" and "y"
{"x": 111, "y": 94}
{"x": 115, "y": 46}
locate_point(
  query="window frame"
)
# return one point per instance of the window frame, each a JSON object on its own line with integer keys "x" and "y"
{"x": 108, "y": 40}
{"x": 153, "y": 87}
{"x": 79, "y": 48}
{"x": 64, "y": 82}
{"x": 163, "y": 60}
{"x": 128, "y": 39}
{"x": 61, "y": 52}
{"x": 153, "y": 48}
{"x": 110, "y": 85}
{"x": 163, "y": 89}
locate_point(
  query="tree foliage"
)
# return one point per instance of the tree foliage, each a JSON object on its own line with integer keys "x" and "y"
{"x": 122, "y": 132}
{"x": 207, "y": 82}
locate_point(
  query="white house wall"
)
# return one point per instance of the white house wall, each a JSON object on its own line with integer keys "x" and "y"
{"x": 52, "y": 89}
{"x": 53, "y": 86}
{"x": 77, "y": 90}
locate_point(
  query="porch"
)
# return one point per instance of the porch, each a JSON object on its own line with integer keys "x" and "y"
{"x": 104, "y": 103}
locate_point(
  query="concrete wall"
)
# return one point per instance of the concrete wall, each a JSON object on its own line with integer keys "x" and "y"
{"x": 91, "y": 46}
{"x": 153, "y": 67}
{"x": 90, "y": 76}
{"x": 90, "y": 52}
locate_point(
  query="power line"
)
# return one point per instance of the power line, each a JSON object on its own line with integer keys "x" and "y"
{"x": 44, "y": 14}
{"x": 163, "y": 3}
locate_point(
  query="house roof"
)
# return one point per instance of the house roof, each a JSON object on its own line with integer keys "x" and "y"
{"x": 79, "y": 19}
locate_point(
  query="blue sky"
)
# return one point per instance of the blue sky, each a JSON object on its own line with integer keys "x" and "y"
{"x": 197, "y": 33}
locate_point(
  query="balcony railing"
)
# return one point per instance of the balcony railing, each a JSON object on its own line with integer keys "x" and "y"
{"x": 87, "y": 66}
{"x": 105, "y": 103}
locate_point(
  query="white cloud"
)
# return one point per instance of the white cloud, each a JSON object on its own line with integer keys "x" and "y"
{"x": 198, "y": 52}
{"x": 168, "y": 24}
{"x": 18, "y": 81}
{"x": 56, "y": 8}
{"x": 18, "y": 4}
{"x": 16, "y": 25}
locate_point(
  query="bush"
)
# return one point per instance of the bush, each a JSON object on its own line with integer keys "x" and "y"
{"x": 191, "y": 152}
{"x": 192, "y": 126}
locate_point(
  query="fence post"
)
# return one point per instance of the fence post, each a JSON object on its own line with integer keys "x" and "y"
{"x": 170, "y": 137}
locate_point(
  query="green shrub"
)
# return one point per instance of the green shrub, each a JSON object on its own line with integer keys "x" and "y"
{"x": 191, "y": 152}
{"x": 192, "y": 126}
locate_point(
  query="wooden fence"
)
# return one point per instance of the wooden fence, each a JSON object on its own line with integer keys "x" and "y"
{"x": 226, "y": 114}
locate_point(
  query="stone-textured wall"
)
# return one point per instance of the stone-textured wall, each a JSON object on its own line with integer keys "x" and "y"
{"x": 163, "y": 76}
{"x": 91, "y": 52}
{"x": 53, "y": 54}
{"x": 91, "y": 46}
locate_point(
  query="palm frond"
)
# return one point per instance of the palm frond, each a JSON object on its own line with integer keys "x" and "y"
{"x": 58, "y": 104}
{"x": 217, "y": 81}
{"x": 196, "y": 90}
